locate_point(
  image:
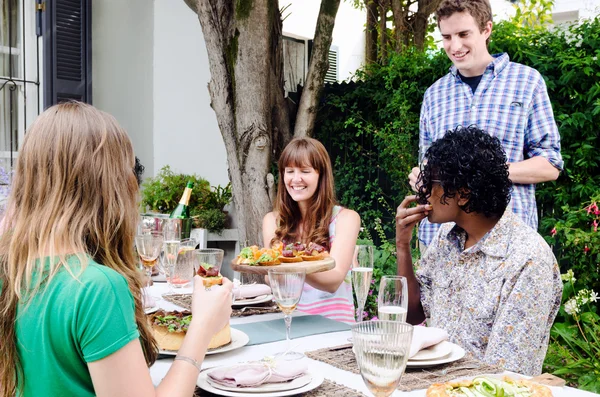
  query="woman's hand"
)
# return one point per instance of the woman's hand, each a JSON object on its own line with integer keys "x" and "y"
{"x": 211, "y": 307}
{"x": 407, "y": 217}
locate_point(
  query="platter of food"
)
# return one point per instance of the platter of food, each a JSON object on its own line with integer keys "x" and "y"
{"x": 311, "y": 258}
{"x": 491, "y": 385}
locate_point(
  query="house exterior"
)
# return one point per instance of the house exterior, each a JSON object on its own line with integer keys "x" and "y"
{"x": 145, "y": 62}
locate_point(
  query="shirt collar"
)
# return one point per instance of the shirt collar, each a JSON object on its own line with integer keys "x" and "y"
{"x": 496, "y": 66}
{"x": 496, "y": 242}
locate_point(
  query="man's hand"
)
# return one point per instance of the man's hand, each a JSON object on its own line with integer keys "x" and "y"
{"x": 413, "y": 177}
{"x": 407, "y": 217}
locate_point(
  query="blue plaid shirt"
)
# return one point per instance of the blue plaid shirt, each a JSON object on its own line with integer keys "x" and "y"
{"x": 510, "y": 103}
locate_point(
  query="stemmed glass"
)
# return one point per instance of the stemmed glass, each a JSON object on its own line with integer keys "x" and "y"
{"x": 381, "y": 349}
{"x": 362, "y": 272}
{"x": 149, "y": 247}
{"x": 287, "y": 291}
{"x": 172, "y": 241}
{"x": 392, "y": 301}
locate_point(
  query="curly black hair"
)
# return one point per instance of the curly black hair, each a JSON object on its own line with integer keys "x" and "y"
{"x": 471, "y": 163}
{"x": 138, "y": 169}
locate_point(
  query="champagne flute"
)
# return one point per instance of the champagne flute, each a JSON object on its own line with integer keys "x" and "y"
{"x": 381, "y": 349}
{"x": 149, "y": 247}
{"x": 392, "y": 301}
{"x": 172, "y": 241}
{"x": 362, "y": 272}
{"x": 287, "y": 291}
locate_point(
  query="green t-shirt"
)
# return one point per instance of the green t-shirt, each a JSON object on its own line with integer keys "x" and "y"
{"x": 73, "y": 322}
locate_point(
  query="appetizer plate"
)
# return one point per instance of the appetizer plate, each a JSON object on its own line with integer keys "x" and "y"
{"x": 456, "y": 354}
{"x": 252, "y": 301}
{"x": 266, "y": 387}
{"x": 238, "y": 339}
{"x": 308, "y": 266}
{"x": 315, "y": 382}
{"x": 434, "y": 352}
{"x": 152, "y": 309}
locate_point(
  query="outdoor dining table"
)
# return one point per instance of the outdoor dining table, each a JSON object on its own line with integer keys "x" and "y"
{"x": 301, "y": 344}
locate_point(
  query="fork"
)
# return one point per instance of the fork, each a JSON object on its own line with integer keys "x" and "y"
{"x": 243, "y": 309}
{"x": 452, "y": 369}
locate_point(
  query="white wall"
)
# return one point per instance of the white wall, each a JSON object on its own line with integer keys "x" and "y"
{"x": 186, "y": 134}
{"x": 348, "y": 33}
{"x": 122, "y": 69}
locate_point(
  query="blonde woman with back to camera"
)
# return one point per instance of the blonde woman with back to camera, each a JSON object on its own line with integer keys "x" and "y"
{"x": 306, "y": 211}
{"x": 71, "y": 316}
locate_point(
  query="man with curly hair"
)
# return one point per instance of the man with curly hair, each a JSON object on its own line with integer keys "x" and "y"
{"x": 487, "y": 278}
{"x": 506, "y": 99}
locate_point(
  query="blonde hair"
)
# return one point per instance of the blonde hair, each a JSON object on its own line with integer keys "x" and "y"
{"x": 74, "y": 192}
{"x": 302, "y": 152}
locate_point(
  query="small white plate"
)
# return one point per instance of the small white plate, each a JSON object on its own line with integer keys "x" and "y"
{"x": 434, "y": 352}
{"x": 316, "y": 381}
{"x": 252, "y": 301}
{"x": 456, "y": 354}
{"x": 152, "y": 309}
{"x": 266, "y": 387}
{"x": 238, "y": 339}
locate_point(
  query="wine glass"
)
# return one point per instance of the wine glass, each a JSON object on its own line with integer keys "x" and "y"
{"x": 149, "y": 247}
{"x": 287, "y": 291}
{"x": 172, "y": 240}
{"x": 392, "y": 301}
{"x": 362, "y": 272}
{"x": 381, "y": 349}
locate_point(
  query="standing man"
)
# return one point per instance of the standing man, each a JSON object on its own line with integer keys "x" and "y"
{"x": 506, "y": 99}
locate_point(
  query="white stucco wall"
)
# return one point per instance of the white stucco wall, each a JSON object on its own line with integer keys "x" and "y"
{"x": 122, "y": 76}
{"x": 186, "y": 134}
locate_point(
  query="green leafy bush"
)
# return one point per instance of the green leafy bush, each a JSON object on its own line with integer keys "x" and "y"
{"x": 163, "y": 192}
{"x": 212, "y": 219}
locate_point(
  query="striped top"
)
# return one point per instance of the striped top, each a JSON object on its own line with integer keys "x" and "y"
{"x": 338, "y": 306}
{"x": 512, "y": 104}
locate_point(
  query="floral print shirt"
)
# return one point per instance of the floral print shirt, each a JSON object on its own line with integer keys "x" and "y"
{"x": 498, "y": 298}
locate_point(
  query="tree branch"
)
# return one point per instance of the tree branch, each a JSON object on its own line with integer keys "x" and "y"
{"x": 193, "y": 4}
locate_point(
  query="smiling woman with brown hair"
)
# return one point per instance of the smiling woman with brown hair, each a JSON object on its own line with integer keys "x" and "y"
{"x": 71, "y": 316}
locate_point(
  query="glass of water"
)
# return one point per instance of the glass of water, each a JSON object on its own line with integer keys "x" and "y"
{"x": 362, "y": 272}
{"x": 392, "y": 301}
{"x": 181, "y": 272}
{"x": 381, "y": 349}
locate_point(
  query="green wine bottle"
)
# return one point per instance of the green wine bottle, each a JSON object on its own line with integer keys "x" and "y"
{"x": 182, "y": 211}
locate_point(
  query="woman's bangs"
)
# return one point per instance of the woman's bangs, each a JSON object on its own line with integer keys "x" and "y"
{"x": 298, "y": 157}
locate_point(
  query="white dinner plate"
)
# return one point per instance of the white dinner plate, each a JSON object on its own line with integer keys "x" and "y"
{"x": 315, "y": 382}
{"x": 456, "y": 354}
{"x": 152, "y": 309}
{"x": 252, "y": 301}
{"x": 266, "y": 387}
{"x": 238, "y": 339}
{"x": 434, "y": 352}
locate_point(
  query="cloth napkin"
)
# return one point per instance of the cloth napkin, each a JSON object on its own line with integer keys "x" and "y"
{"x": 250, "y": 290}
{"x": 256, "y": 373}
{"x": 424, "y": 337}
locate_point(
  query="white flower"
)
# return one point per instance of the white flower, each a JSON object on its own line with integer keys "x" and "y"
{"x": 569, "y": 276}
{"x": 593, "y": 296}
{"x": 571, "y": 307}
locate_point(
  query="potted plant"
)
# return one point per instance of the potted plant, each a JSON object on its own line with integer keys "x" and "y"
{"x": 212, "y": 215}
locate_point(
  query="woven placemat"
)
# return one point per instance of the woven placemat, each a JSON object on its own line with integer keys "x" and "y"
{"x": 342, "y": 357}
{"x": 327, "y": 389}
{"x": 185, "y": 301}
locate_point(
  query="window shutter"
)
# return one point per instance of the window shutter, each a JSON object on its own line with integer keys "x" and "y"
{"x": 332, "y": 73}
{"x": 67, "y": 32}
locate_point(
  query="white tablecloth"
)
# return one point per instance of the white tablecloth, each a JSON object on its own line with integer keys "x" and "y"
{"x": 308, "y": 343}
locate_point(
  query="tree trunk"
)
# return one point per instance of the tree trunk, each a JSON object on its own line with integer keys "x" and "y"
{"x": 244, "y": 43}
{"x": 319, "y": 63}
{"x": 371, "y": 32}
{"x": 383, "y": 54}
{"x": 426, "y": 8}
{"x": 400, "y": 17}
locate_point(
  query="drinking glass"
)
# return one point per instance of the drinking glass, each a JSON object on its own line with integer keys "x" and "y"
{"x": 362, "y": 272}
{"x": 209, "y": 257}
{"x": 149, "y": 247}
{"x": 181, "y": 272}
{"x": 171, "y": 229}
{"x": 287, "y": 291}
{"x": 381, "y": 349}
{"x": 392, "y": 301}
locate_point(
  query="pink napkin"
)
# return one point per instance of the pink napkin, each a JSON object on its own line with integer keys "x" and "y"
{"x": 251, "y": 290}
{"x": 424, "y": 337}
{"x": 256, "y": 373}
{"x": 148, "y": 300}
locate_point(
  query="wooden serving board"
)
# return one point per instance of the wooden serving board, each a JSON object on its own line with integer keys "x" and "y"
{"x": 308, "y": 266}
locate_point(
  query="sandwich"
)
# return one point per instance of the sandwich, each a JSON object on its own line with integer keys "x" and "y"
{"x": 169, "y": 329}
{"x": 314, "y": 252}
{"x": 292, "y": 253}
{"x": 246, "y": 256}
{"x": 254, "y": 256}
{"x": 209, "y": 274}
